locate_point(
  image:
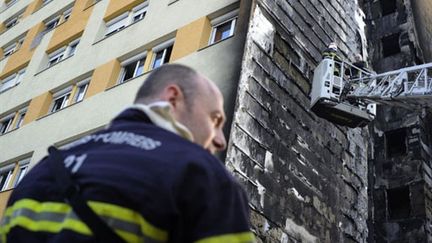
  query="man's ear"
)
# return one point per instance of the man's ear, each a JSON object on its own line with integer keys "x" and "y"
{"x": 173, "y": 94}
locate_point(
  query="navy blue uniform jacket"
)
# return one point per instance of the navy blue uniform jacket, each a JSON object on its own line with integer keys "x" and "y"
{"x": 148, "y": 184}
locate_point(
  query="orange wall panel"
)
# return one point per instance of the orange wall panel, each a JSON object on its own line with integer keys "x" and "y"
{"x": 104, "y": 77}
{"x": 22, "y": 57}
{"x": 191, "y": 37}
{"x": 38, "y": 107}
{"x": 73, "y": 28}
{"x": 116, "y": 7}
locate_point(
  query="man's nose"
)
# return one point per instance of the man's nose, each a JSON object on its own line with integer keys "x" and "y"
{"x": 219, "y": 141}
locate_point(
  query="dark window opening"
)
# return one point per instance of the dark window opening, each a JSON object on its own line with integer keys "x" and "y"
{"x": 388, "y": 7}
{"x": 390, "y": 45}
{"x": 396, "y": 142}
{"x": 398, "y": 203}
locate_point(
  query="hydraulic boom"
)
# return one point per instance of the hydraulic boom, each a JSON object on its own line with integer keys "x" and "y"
{"x": 347, "y": 95}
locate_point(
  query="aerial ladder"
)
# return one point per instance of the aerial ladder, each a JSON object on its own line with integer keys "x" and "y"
{"x": 347, "y": 95}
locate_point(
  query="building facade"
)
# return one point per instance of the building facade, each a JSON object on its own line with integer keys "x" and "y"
{"x": 400, "y": 162}
{"x": 67, "y": 67}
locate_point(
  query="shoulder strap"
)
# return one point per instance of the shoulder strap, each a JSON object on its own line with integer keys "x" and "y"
{"x": 71, "y": 192}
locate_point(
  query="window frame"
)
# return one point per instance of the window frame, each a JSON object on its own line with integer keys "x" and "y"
{"x": 162, "y": 47}
{"x": 80, "y": 84}
{"x": 14, "y": 19}
{"x": 8, "y": 171}
{"x": 24, "y": 165}
{"x": 127, "y": 18}
{"x": 20, "y": 116}
{"x": 14, "y": 78}
{"x": 8, "y": 127}
{"x": 55, "y": 19}
{"x": 221, "y": 20}
{"x": 62, "y": 53}
{"x": 10, "y": 3}
{"x": 57, "y": 56}
{"x": 66, "y": 94}
{"x": 9, "y": 50}
{"x": 67, "y": 13}
{"x": 139, "y": 10}
{"x": 116, "y": 20}
{"x": 137, "y": 60}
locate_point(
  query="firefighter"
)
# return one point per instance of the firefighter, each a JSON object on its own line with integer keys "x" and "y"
{"x": 150, "y": 176}
{"x": 332, "y": 53}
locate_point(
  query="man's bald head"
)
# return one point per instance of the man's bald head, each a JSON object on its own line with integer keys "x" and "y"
{"x": 184, "y": 77}
{"x": 196, "y": 102}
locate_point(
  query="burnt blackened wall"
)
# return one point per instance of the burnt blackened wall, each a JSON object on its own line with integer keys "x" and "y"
{"x": 400, "y": 161}
{"x": 399, "y": 192}
{"x": 392, "y": 37}
{"x": 422, "y": 10}
{"x": 306, "y": 177}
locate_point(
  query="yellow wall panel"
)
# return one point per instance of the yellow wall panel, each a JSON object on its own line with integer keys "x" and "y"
{"x": 104, "y": 77}
{"x": 22, "y": 57}
{"x": 32, "y": 7}
{"x": 191, "y": 37}
{"x": 73, "y": 28}
{"x": 116, "y": 7}
{"x": 1, "y": 53}
{"x": 38, "y": 107}
{"x": 4, "y": 196}
{"x": 148, "y": 61}
{"x": 2, "y": 27}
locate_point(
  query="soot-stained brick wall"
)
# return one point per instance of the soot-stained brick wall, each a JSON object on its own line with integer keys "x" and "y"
{"x": 306, "y": 177}
{"x": 400, "y": 161}
{"x": 392, "y": 37}
{"x": 422, "y": 10}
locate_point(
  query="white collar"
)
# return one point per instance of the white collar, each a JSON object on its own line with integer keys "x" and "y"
{"x": 160, "y": 114}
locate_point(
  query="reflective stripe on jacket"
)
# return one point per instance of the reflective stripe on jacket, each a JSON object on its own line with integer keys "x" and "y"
{"x": 148, "y": 184}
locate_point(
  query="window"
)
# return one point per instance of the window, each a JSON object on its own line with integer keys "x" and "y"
{"x": 388, "y": 7}
{"x": 223, "y": 27}
{"x": 390, "y": 45}
{"x": 13, "y": 120}
{"x": 60, "y": 100}
{"x": 51, "y": 24}
{"x": 10, "y": 3}
{"x": 45, "y": 2}
{"x": 6, "y": 124}
{"x": 22, "y": 171}
{"x": 116, "y": 25}
{"x": 132, "y": 68}
{"x": 10, "y": 176}
{"x": 66, "y": 14}
{"x": 162, "y": 54}
{"x": 11, "y": 80}
{"x": 6, "y": 173}
{"x": 9, "y": 50}
{"x": 56, "y": 57}
{"x": 81, "y": 91}
{"x": 139, "y": 13}
{"x": 62, "y": 53}
{"x": 136, "y": 14}
{"x": 72, "y": 94}
{"x": 395, "y": 141}
{"x": 20, "y": 118}
{"x": 13, "y": 47}
{"x": 398, "y": 202}
{"x": 12, "y": 21}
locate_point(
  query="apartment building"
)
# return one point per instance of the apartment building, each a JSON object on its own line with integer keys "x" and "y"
{"x": 68, "y": 66}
